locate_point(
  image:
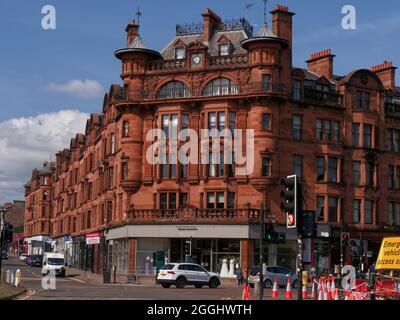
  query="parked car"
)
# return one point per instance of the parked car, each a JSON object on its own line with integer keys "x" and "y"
{"x": 53, "y": 262}
{"x": 23, "y": 257}
{"x": 4, "y": 255}
{"x": 35, "y": 261}
{"x": 182, "y": 274}
{"x": 280, "y": 273}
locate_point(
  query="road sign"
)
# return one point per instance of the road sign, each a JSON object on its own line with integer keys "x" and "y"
{"x": 389, "y": 256}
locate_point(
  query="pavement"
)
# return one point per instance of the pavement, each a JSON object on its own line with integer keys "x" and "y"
{"x": 74, "y": 287}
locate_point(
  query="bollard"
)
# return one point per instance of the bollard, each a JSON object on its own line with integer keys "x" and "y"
{"x": 8, "y": 277}
{"x": 17, "y": 278}
{"x": 11, "y": 279}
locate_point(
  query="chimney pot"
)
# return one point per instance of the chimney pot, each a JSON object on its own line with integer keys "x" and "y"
{"x": 387, "y": 73}
{"x": 322, "y": 63}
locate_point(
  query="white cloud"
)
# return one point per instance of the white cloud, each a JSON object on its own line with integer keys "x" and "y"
{"x": 25, "y": 143}
{"x": 87, "y": 89}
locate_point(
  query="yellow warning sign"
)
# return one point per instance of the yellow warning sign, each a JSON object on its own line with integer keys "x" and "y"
{"x": 389, "y": 256}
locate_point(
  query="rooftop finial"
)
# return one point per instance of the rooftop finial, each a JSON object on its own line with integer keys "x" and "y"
{"x": 265, "y": 12}
{"x": 138, "y": 15}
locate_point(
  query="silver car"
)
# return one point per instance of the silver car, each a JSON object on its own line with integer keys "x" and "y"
{"x": 182, "y": 274}
{"x": 280, "y": 273}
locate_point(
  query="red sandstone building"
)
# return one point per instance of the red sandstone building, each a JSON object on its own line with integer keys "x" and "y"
{"x": 340, "y": 134}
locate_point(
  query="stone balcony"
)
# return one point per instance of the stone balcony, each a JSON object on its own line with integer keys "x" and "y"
{"x": 194, "y": 215}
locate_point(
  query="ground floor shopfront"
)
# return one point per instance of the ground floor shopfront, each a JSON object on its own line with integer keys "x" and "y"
{"x": 142, "y": 250}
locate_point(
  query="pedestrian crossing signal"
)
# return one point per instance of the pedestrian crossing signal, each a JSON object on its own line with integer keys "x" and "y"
{"x": 188, "y": 248}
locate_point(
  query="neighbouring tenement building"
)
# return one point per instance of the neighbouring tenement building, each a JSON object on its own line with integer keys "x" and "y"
{"x": 340, "y": 134}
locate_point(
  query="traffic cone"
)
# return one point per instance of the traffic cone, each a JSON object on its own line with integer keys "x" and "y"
{"x": 289, "y": 290}
{"x": 333, "y": 287}
{"x": 313, "y": 290}
{"x": 245, "y": 293}
{"x": 275, "y": 293}
{"x": 326, "y": 294}
{"x": 320, "y": 291}
{"x": 328, "y": 289}
{"x": 347, "y": 295}
{"x": 337, "y": 295}
{"x": 304, "y": 292}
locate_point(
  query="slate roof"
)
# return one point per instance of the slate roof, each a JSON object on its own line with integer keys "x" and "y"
{"x": 234, "y": 36}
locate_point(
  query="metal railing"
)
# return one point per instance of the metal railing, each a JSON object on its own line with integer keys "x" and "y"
{"x": 392, "y": 107}
{"x": 194, "y": 215}
{"x": 323, "y": 97}
{"x": 196, "y": 92}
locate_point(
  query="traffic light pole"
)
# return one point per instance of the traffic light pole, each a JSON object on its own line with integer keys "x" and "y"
{"x": 261, "y": 278}
{"x": 299, "y": 267}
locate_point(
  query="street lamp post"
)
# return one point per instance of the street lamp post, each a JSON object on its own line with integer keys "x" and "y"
{"x": 262, "y": 224}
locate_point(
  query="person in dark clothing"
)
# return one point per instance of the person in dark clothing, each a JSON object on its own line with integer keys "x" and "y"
{"x": 239, "y": 276}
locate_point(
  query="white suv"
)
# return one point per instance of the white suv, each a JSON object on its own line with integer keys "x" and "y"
{"x": 182, "y": 274}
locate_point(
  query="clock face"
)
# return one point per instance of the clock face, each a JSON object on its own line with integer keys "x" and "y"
{"x": 196, "y": 60}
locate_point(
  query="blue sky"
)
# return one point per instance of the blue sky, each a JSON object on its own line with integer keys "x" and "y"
{"x": 89, "y": 31}
{"x": 51, "y": 80}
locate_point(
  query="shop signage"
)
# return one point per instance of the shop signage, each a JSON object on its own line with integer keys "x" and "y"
{"x": 389, "y": 256}
{"x": 93, "y": 238}
{"x": 323, "y": 231}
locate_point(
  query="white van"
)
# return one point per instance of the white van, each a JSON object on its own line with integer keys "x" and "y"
{"x": 53, "y": 262}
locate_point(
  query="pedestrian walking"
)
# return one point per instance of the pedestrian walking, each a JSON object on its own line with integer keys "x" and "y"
{"x": 239, "y": 276}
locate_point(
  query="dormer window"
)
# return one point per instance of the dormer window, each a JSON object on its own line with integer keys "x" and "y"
{"x": 179, "y": 53}
{"x": 224, "y": 49}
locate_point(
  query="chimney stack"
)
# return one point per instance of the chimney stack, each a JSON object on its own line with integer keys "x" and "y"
{"x": 321, "y": 63}
{"x": 132, "y": 31}
{"x": 211, "y": 21}
{"x": 282, "y": 23}
{"x": 387, "y": 73}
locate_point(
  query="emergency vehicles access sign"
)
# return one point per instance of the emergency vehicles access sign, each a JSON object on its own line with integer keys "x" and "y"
{"x": 389, "y": 256}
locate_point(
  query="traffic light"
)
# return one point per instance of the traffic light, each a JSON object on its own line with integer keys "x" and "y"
{"x": 188, "y": 248}
{"x": 306, "y": 224}
{"x": 291, "y": 200}
{"x": 272, "y": 237}
{"x": 269, "y": 233}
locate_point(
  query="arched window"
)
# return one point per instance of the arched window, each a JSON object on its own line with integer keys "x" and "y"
{"x": 221, "y": 87}
{"x": 172, "y": 90}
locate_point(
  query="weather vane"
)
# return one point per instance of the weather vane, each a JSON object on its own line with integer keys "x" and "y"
{"x": 138, "y": 15}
